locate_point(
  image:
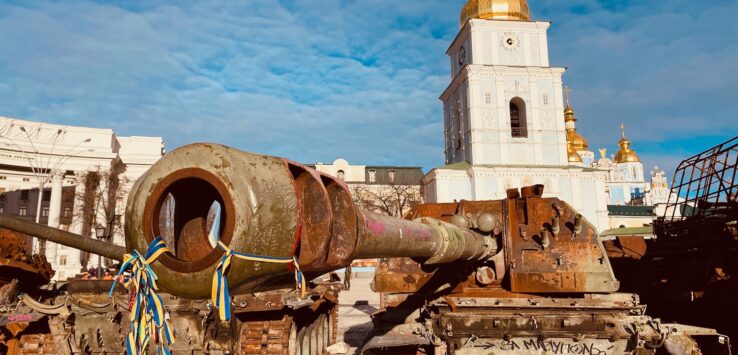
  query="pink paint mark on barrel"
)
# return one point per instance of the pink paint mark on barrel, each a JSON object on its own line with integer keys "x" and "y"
{"x": 376, "y": 226}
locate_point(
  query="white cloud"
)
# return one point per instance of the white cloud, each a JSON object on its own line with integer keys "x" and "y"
{"x": 316, "y": 80}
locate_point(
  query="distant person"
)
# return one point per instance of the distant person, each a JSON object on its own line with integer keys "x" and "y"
{"x": 108, "y": 275}
{"x": 347, "y": 278}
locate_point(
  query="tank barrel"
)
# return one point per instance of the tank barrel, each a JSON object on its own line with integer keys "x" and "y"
{"x": 431, "y": 240}
{"x": 108, "y": 250}
{"x": 206, "y": 199}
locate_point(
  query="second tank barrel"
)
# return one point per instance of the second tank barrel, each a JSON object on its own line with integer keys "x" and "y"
{"x": 108, "y": 250}
{"x": 432, "y": 240}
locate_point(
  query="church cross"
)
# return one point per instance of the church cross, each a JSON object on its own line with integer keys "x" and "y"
{"x": 567, "y": 94}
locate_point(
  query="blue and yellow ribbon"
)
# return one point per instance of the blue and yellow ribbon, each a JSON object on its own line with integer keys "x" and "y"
{"x": 147, "y": 313}
{"x": 221, "y": 296}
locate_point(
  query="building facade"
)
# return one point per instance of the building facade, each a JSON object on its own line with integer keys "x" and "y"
{"x": 391, "y": 190}
{"x": 84, "y": 173}
{"x": 504, "y": 124}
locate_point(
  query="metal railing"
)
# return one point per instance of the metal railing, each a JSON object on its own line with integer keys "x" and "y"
{"x": 519, "y": 132}
{"x": 704, "y": 186}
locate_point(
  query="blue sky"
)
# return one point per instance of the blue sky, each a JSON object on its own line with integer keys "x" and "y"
{"x": 318, "y": 80}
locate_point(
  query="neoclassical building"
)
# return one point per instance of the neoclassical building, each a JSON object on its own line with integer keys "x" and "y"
{"x": 85, "y": 174}
{"x": 504, "y": 115}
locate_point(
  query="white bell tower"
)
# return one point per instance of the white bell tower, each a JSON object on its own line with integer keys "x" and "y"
{"x": 504, "y": 105}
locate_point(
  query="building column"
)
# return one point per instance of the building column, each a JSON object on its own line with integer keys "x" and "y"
{"x": 57, "y": 180}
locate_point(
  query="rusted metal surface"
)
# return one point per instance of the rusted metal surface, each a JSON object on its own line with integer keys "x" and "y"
{"x": 525, "y": 271}
{"x": 18, "y": 266}
{"x": 259, "y": 215}
{"x": 316, "y": 216}
{"x": 574, "y": 261}
{"x": 626, "y": 247}
{"x": 549, "y": 290}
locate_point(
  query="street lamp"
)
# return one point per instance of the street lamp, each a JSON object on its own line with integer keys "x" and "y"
{"x": 102, "y": 236}
{"x": 41, "y": 169}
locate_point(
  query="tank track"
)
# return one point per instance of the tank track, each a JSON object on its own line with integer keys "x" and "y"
{"x": 265, "y": 337}
{"x": 34, "y": 344}
{"x": 289, "y": 336}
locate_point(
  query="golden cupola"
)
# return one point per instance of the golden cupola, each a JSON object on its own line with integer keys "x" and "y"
{"x": 572, "y": 154}
{"x": 626, "y": 154}
{"x": 516, "y": 10}
{"x": 578, "y": 143}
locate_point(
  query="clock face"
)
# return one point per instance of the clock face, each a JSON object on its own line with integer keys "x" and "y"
{"x": 462, "y": 56}
{"x": 510, "y": 41}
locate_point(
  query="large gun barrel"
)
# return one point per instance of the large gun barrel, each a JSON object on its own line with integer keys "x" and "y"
{"x": 202, "y": 196}
{"x": 273, "y": 207}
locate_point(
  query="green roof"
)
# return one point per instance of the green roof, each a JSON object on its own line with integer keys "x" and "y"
{"x": 635, "y": 211}
{"x": 634, "y": 231}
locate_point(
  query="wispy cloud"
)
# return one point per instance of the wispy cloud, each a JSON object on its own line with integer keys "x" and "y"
{"x": 316, "y": 80}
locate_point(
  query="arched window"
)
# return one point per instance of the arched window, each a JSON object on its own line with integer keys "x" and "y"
{"x": 518, "y": 119}
{"x": 341, "y": 175}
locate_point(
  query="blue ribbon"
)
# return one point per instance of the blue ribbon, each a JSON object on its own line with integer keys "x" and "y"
{"x": 147, "y": 313}
{"x": 220, "y": 294}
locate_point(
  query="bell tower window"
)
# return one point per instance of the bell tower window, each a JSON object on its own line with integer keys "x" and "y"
{"x": 518, "y": 119}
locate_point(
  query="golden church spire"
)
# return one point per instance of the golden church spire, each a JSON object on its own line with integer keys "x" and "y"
{"x": 516, "y": 10}
{"x": 626, "y": 154}
{"x": 578, "y": 143}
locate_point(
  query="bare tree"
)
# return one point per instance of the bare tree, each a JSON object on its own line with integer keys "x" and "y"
{"x": 392, "y": 200}
{"x": 103, "y": 195}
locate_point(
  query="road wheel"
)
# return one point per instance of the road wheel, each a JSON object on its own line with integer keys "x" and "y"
{"x": 303, "y": 338}
{"x": 292, "y": 343}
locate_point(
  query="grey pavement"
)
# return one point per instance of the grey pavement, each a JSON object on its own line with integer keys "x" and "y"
{"x": 355, "y": 306}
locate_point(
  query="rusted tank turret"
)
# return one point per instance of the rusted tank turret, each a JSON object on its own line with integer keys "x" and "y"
{"x": 478, "y": 275}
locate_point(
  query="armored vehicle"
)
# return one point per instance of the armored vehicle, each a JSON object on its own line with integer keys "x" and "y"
{"x": 685, "y": 265}
{"x": 220, "y": 244}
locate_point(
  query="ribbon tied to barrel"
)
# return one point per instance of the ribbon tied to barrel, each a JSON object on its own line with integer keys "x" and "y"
{"x": 148, "y": 320}
{"x": 220, "y": 294}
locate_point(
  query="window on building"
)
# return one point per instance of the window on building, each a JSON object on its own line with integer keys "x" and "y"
{"x": 545, "y": 99}
{"x": 22, "y": 211}
{"x": 47, "y": 196}
{"x": 372, "y": 176}
{"x": 26, "y": 179}
{"x": 24, "y": 195}
{"x": 488, "y": 98}
{"x": 44, "y": 212}
{"x": 341, "y": 175}
{"x": 391, "y": 175}
{"x": 62, "y": 260}
{"x": 518, "y": 122}
{"x": 67, "y": 212}
{"x": 3, "y": 177}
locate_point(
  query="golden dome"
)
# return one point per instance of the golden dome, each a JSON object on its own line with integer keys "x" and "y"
{"x": 626, "y": 155}
{"x": 496, "y": 10}
{"x": 572, "y": 154}
{"x": 578, "y": 143}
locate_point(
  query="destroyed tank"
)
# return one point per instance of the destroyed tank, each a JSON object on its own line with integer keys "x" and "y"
{"x": 20, "y": 272}
{"x": 522, "y": 275}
